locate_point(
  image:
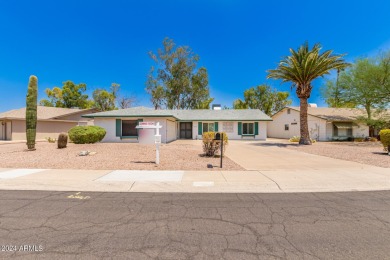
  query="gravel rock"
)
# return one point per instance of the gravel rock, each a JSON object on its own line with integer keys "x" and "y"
{"x": 112, "y": 156}
{"x": 371, "y": 153}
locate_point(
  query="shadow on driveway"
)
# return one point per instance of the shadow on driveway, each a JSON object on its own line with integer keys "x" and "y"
{"x": 275, "y": 144}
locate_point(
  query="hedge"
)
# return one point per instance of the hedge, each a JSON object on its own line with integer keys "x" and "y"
{"x": 385, "y": 139}
{"x": 86, "y": 134}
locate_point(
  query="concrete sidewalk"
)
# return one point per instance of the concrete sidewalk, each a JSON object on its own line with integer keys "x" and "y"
{"x": 257, "y": 181}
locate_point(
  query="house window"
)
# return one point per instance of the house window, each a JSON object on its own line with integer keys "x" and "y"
{"x": 248, "y": 128}
{"x": 288, "y": 111}
{"x": 208, "y": 127}
{"x": 342, "y": 129}
{"x": 286, "y": 127}
{"x": 128, "y": 128}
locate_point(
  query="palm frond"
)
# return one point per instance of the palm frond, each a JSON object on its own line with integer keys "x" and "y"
{"x": 305, "y": 64}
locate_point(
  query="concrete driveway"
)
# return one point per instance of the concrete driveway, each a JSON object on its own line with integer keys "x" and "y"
{"x": 295, "y": 171}
{"x": 271, "y": 155}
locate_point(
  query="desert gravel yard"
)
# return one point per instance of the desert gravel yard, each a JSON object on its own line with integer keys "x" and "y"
{"x": 362, "y": 152}
{"x": 111, "y": 156}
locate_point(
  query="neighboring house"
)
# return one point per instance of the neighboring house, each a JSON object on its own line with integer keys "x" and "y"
{"x": 325, "y": 123}
{"x": 51, "y": 121}
{"x": 182, "y": 124}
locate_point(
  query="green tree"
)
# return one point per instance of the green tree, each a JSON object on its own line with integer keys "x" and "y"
{"x": 176, "y": 83}
{"x": 31, "y": 112}
{"x": 54, "y": 98}
{"x": 265, "y": 98}
{"x": 68, "y": 96}
{"x": 103, "y": 100}
{"x": 301, "y": 68}
{"x": 335, "y": 95}
{"x": 365, "y": 84}
{"x": 106, "y": 100}
{"x": 72, "y": 95}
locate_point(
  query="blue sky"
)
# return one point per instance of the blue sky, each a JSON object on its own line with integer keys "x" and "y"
{"x": 100, "y": 42}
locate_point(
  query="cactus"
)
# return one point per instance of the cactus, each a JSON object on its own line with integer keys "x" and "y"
{"x": 62, "y": 140}
{"x": 31, "y": 112}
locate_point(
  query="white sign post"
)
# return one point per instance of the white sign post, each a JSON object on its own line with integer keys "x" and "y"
{"x": 157, "y": 141}
{"x": 146, "y": 136}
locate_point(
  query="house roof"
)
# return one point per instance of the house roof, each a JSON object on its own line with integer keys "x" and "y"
{"x": 222, "y": 115}
{"x": 334, "y": 114}
{"x": 188, "y": 115}
{"x": 43, "y": 113}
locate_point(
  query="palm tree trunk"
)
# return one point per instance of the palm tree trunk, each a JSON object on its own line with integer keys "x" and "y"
{"x": 305, "y": 137}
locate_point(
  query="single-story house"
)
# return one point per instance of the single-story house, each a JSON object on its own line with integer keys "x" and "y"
{"x": 182, "y": 124}
{"x": 51, "y": 121}
{"x": 325, "y": 123}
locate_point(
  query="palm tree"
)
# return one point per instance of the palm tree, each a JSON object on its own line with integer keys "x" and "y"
{"x": 301, "y": 68}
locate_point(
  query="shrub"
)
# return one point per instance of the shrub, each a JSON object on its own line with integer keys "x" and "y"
{"x": 373, "y": 139}
{"x": 86, "y": 134}
{"x": 211, "y": 147}
{"x": 295, "y": 139}
{"x": 385, "y": 139}
{"x": 62, "y": 140}
{"x": 50, "y": 140}
{"x": 359, "y": 139}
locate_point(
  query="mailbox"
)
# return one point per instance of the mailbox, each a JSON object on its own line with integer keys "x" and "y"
{"x": 217, "y": 136}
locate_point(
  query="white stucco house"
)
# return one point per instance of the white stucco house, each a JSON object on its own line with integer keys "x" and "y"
{"x": 182, "y": 124}
{"x": 325, "y": 123}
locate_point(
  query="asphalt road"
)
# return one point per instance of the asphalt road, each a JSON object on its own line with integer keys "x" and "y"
{"x": 68, "y": 225}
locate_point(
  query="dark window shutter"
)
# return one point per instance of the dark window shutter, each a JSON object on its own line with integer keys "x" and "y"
{"x": 199, "y": 128}
{"x": 215, "y": 126}
{"x": 239, "y": 128}
{"x": 118, "y": 127}
{"x": 256, "y": 128}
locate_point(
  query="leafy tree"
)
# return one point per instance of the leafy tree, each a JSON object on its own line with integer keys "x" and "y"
{"x": 70, "y": 95}
{"x": 176, "y": 83}
{"x": 301, "y": 68}
{"x": 264, "y": 98}
{"x": 334, "y": 95}
{"x": 366, "y": 84}
{"x": 106, "y": 100}
{"x": 55, "y": 98}
{"x": 103, "y": 100}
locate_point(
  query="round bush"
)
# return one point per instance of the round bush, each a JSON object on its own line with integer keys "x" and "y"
{"x": 86, "y": 134}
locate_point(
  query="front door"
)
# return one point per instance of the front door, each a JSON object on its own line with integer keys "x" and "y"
{"x": 186, "y": 130}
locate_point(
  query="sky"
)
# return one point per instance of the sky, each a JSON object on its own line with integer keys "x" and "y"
{"x": 100, "y": 42}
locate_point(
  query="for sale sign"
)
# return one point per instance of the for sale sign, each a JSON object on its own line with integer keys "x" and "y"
{"x": 146, "y": 124}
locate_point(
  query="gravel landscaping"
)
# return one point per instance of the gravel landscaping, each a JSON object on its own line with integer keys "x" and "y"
{"x": 362, "y": 152}
{"x": 111, "y": 156}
